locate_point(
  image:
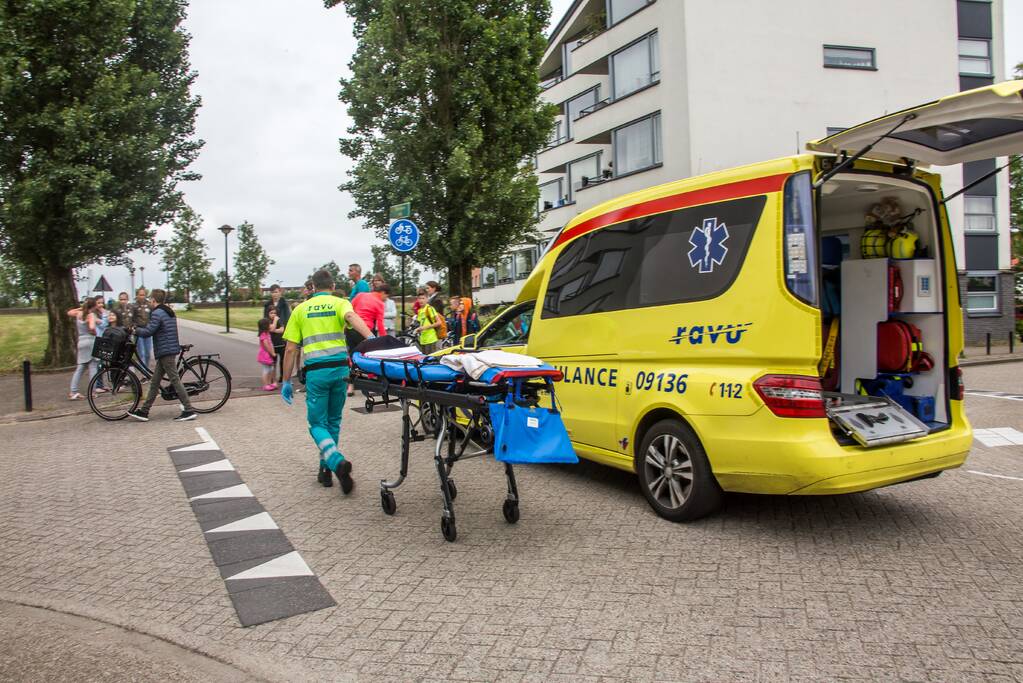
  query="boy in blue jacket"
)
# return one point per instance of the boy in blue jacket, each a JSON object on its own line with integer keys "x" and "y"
{"x": 163, "y": 328}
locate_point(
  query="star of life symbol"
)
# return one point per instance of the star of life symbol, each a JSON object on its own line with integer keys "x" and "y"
{"x": 708, "y": 242}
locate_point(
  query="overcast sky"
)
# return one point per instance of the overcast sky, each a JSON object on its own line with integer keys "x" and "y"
{"x": 271, "y": 118}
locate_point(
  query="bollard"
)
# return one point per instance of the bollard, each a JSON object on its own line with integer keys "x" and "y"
{"x": 988, "y": 336}
{"x": 1012, "y": 341}
{"x": 26, "y": 374}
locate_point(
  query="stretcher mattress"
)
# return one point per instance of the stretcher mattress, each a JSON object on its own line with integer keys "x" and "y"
{"x": 416, "y": 371}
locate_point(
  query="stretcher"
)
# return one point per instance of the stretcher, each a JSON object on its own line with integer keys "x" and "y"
{"x": 446, "y": 403}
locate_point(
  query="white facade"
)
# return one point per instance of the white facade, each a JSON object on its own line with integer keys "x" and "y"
{"x": 733, "y": 82}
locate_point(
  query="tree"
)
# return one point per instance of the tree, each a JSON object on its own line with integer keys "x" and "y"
{"x": 218, "y": 291}
{"x": 96, "y": 130}
{"x": 185, "y": 257}
{"x": 251, "y": 263}
{"x": 445, "y": 102}
{"x": 335, "y": 272}
{"x": 391, "y": 272}
{"x": 18, "y": 286}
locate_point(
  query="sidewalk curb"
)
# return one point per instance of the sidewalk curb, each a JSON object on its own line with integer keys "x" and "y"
{"x": 992, "y": 360}
{"x": 38, "y": 416}
{"x": 254, "y": 664}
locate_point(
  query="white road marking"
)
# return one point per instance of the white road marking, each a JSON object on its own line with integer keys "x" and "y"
{"x": 254, "y": 523}
{"x": 238, "y": 491}
{"x": 217, "y": 466}
{"x": 999, "y": 436}
{"x": 995, "y": 394}
{"x": 291, "y": 564}
{"x": 996, "y": 476}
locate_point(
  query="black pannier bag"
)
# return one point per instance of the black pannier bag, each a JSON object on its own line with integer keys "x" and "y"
{"x": 111, "y": 348}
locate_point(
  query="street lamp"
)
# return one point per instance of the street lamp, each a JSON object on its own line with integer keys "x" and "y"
{"x": 142, "y": 271}
{"x": 227, "y": 230}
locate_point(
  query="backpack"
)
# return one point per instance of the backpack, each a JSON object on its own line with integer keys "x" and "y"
{"x": 442, "y": 330}
{"x": 900, "y": 348}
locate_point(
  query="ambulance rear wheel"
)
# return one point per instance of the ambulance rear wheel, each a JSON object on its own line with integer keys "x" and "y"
{"x": 674, "y": 473}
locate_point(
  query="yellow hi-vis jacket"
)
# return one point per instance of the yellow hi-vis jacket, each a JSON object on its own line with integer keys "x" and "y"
{"x": 318, "y": 326}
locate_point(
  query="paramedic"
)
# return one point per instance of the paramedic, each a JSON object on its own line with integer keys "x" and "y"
{"x": 317, "y": 329}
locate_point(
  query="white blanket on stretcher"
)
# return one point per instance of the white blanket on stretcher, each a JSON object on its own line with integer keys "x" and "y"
{"x": 475, "y": 364}
{"x": 395, "y": 354}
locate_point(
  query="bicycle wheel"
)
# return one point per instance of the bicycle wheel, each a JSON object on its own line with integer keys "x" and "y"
{"x": 207, "y": 382}
{"x": 123, "y": 393}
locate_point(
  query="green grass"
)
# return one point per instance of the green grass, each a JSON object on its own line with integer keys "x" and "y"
{"x": 21, "y": 337}
{"x": 242, "y": 318}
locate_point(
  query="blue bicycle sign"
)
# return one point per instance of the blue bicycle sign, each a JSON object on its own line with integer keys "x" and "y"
{"x": 403, "y": 235}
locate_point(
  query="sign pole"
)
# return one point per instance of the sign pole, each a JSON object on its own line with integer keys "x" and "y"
{"x": 403, "y": 293}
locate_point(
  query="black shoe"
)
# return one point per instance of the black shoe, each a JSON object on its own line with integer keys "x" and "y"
{"x": 325, "y": 477}
{"x": 186, "y": 415}
{"x": 140, "y": 414}
{"x": 344, "y": 475}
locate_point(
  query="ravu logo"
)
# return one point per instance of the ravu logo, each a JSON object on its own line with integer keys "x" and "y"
{"x": 711, "y": 334}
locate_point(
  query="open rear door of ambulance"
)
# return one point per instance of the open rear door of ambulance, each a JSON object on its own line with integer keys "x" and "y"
{"x": 968, "y": 126}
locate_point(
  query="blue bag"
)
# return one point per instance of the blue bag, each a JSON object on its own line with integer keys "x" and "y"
{"x": 533, "y": 434}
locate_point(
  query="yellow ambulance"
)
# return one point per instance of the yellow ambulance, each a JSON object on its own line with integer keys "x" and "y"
{"x": 723, "y": 332}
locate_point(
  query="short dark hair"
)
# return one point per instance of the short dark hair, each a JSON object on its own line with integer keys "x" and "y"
{"x": 421, "y": 291}
{"x": 124, "y": 293}
{"x": 434, "y": 284}
{"x": 322, "y": 280}
{"x": 308, "y": 284}
{"x": 140, "y": 289}
{"x": 274, "y": 287}
{"x": 355, "y": 265}
{"x": 159, "y": 296}
{"x": 384, "y": 287}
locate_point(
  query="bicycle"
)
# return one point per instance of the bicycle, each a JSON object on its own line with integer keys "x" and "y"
{"x": 116, "y": 389}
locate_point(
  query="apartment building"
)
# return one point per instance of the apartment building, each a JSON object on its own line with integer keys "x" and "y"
{"x": 650, "y": 91}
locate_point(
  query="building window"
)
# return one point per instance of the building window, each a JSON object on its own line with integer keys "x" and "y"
{"x": 524, "y": 262}
{"x": 843, "y": 57}
{"x": 635, "y": 67}
{"x": 979, "y": 213}
{"x": 488, "y": 277}
{"x": 974, "y": 57}
{"x": 619, "y": 9}
{"x": 555, "y": 138}
{"x": 981, "y": 293}
{"x": 576, "y": 105}
{"x": 504, "y": 271}
{"x": 582, "y": 171}
{"x": 550, "y": 196}
{"x": 637, "y": 145}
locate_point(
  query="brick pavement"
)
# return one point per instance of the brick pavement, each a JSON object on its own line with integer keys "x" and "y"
{"x": 915, "y": 582}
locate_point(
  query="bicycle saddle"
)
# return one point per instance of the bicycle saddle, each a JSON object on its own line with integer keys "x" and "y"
{"x": 185, "y": 348}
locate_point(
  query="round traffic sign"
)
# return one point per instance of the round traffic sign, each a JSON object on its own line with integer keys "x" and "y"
{"x": 403, "y": 235}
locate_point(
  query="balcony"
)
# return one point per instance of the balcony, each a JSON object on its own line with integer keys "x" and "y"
{"x": 577, "y": 83}
{"x": 555, "y": 159}
{"x": 618, "y": 36}
{"x": 595, "y": 126}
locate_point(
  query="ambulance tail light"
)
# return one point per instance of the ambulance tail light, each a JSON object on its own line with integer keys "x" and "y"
{"x": 791, "y": 395}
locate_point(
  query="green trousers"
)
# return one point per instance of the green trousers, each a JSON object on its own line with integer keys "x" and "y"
{"x": 326, "y": 390}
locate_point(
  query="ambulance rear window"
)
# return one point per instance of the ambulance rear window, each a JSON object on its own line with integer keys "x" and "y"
{"x": 800, "y": 247}
{"x": 690, "y": 254}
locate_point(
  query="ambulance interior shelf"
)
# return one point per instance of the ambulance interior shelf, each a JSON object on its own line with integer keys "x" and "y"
{"x": 860, "y": 290}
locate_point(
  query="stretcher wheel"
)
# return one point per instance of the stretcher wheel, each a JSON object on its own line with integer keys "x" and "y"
{"x": 511, "y": 511}
{"x": 452, "y": 490}
{"x": 387, "y": 502}
{"x": 447, "y": 527}
{"x": 369, "y": 406}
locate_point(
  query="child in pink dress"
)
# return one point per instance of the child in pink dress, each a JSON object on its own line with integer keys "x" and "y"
{"x": 266, "y": 356}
